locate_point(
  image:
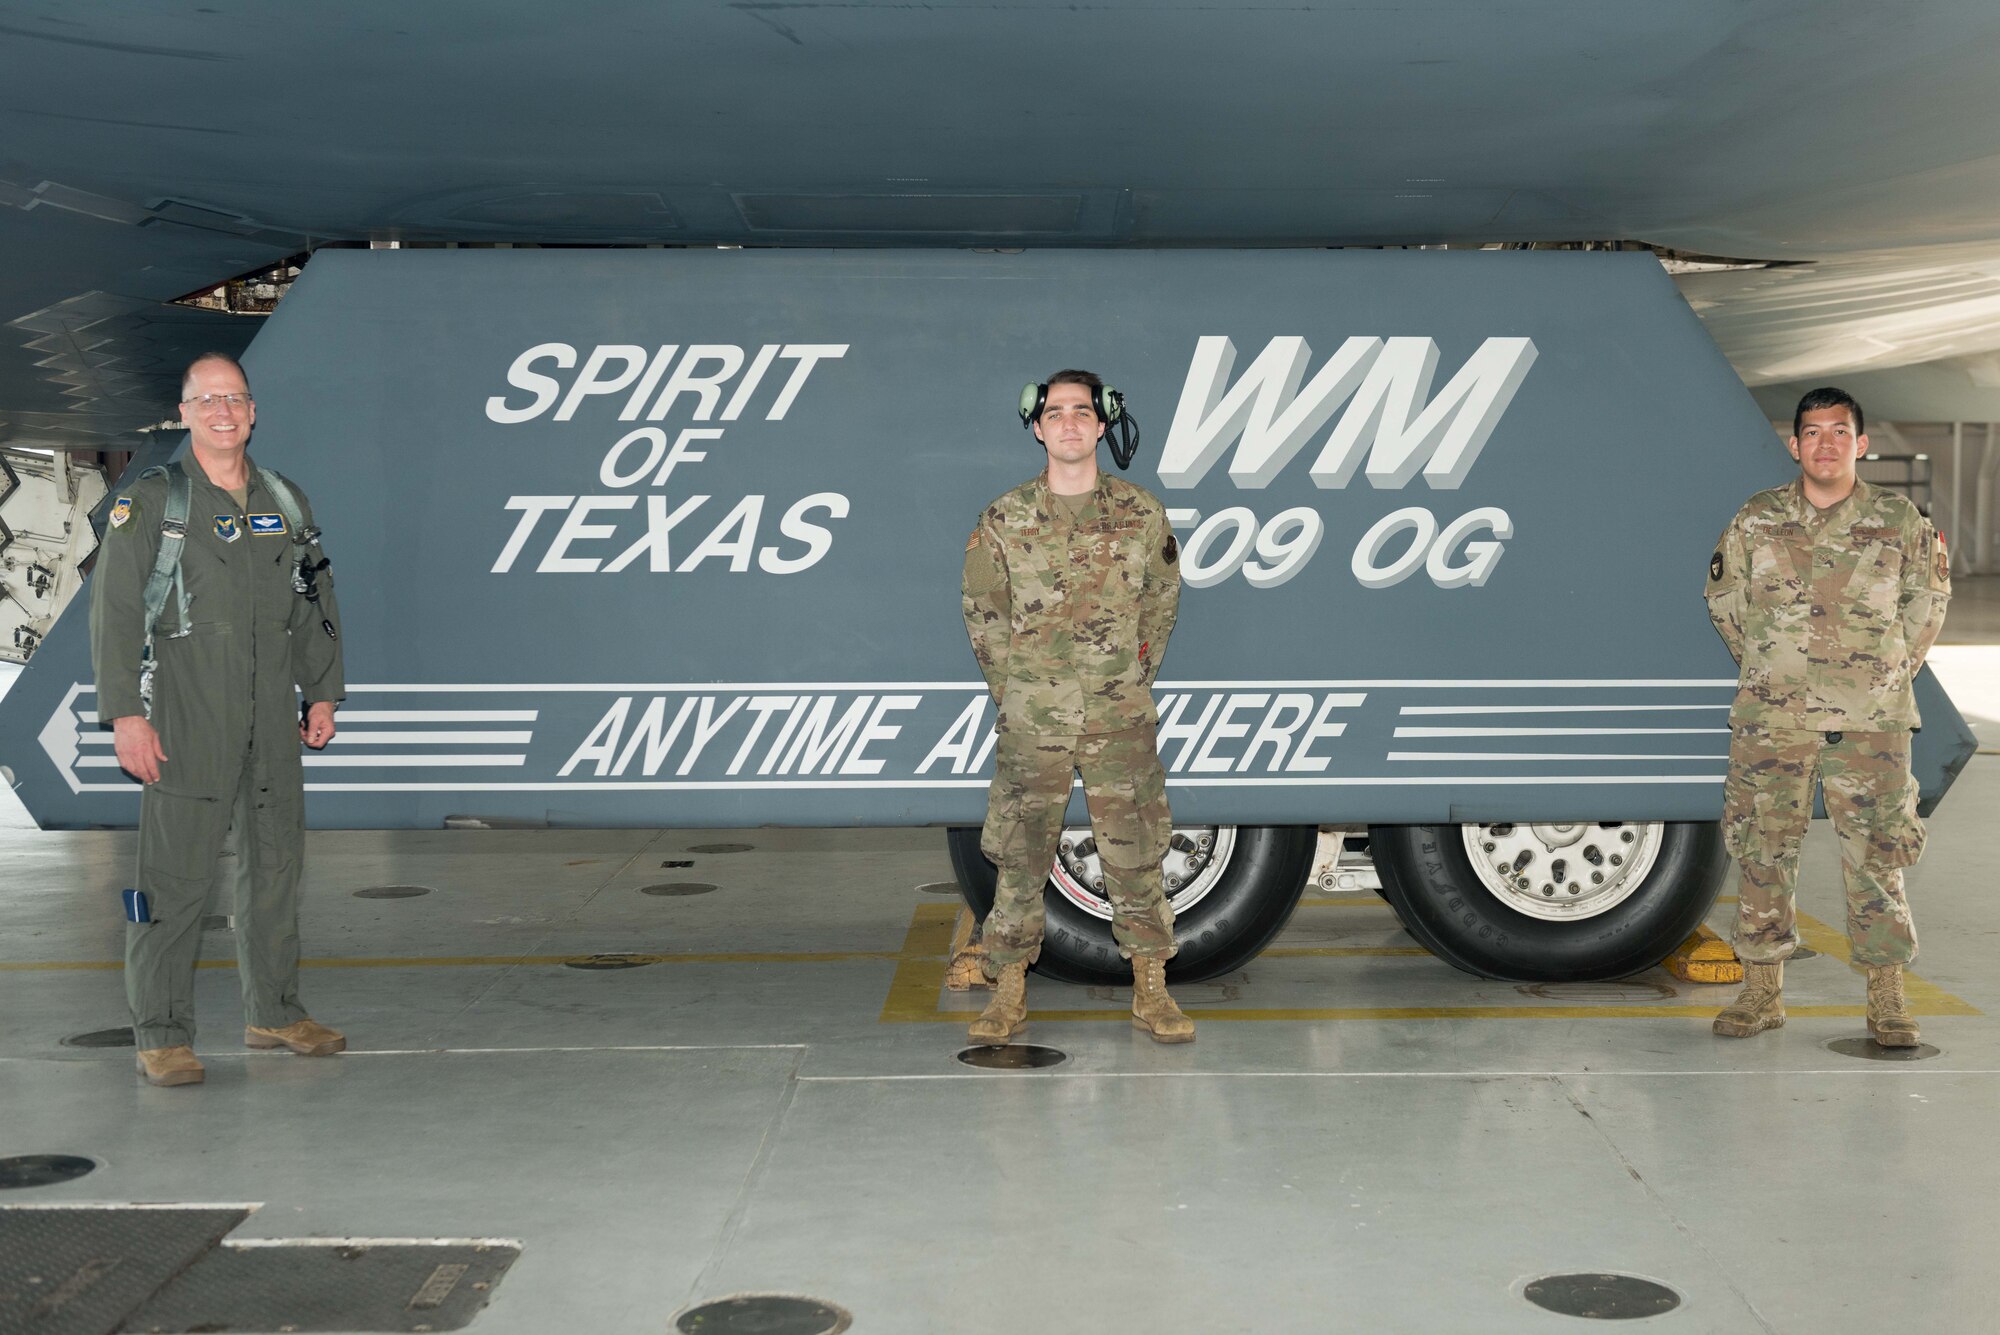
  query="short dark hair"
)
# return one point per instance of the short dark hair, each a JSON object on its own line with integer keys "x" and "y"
{"x": 1826, "y": 396}
{"x": 1090, "y": 379}
{"x": 204, "y": 360}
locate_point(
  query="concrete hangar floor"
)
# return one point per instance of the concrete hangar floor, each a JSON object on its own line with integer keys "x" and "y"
{"x": 1362, "y": 1139}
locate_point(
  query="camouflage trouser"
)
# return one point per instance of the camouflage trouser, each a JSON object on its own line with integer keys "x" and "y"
{"x": 1871, "y": 798}
{"x": 1126, "y": 791}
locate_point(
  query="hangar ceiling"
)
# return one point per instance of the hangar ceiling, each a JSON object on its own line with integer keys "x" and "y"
{"x": 150, "y": 148}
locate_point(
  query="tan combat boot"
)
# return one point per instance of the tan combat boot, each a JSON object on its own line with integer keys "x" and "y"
{"x": 308, "y": 1038}
{"x": 1007, "y": 1014}
{"x": 170, "y": 1066}
{"x": 1759, "y": 1006}
{"x": 1152, "y": 1009}
{"x": 1889, "y": 1022}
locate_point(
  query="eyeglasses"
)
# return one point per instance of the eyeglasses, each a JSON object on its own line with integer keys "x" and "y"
{"x": 217, "y": 400}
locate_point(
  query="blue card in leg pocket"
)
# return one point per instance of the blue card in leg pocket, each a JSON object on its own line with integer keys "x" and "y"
{"x": 136, "y": 908}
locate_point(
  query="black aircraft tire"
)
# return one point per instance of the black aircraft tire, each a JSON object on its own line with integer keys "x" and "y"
{"x": 1430, "y": 883}
{"x": 1225, "y": 930}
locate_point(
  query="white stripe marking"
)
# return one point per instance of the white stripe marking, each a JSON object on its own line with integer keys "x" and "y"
{"x": 1547, "y": 709}
{"x": 631, "y": 786}
{"x": 370, "y": 737}
{"x": 1435, "y": 756}
{"x": 417, "y": 762}
{"x": 382, "y": 762}
{"x": 1439, "y": 683}
{"x": 437, "y": 715}
{"x": 1553, "y": 732}
{"x": 366, "y": 737}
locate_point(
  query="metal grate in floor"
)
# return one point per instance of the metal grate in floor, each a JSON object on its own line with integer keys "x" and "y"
{"x": 359, "y": 1285}
{"x": 78, "y": 1271}
{"x": 122, "y": 1270}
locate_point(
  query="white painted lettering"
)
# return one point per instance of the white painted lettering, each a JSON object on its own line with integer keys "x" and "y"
{"x": 521, "y": 376}
{"x": 856, "y": 762}
{"x": 591, "y": 382}
{"x": 706, "y": 724}
{"x": 794, "y": 525}
{"x": 961, "y": 739}
{"x": 578, "y": 528}
{"x": 807, "y": 355}
{"x": 735, "y": 537}
{"x": 602, "y": 744}
{"x": 532, "y": 508}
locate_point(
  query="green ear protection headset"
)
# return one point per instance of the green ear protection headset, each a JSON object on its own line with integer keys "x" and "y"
{"x": 1121, "y": 429}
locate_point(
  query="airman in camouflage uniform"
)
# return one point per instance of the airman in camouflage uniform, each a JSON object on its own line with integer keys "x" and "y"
{"x": 1070, "y": 591}
{"x": 1829, "y": 593}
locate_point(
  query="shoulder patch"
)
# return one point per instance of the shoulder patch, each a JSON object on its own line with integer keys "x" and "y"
{"x": 1170, "y": 550}
{"x": 121, "y": 510}
{"x": 972, "y": 541}
{"x": 1943, "y": 562}
{"x": 1715, "y": 565}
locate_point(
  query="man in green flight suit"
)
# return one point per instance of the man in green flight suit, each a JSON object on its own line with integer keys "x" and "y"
{"x": 213, "y": 728}
{"x": 1829, "y": 593}
{"x": 1070, "y": 590}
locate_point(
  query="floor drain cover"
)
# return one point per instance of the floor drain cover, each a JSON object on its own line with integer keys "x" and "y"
{"x": 42, "y": 1170}
{"x": 1012, "y": 1057}
{"x": 720, "y": 848}
{"x": 763, "y": 1314}
{"x": 939, "y": 888}
{"x": 100, "y": 1038}
{"x": 677, "y": 888}
{"x": 392, "y": 892}
{"x": 609, "y": 962}
{"x": 1602, "y": 1297}
{"x": 1867, "y": 1047}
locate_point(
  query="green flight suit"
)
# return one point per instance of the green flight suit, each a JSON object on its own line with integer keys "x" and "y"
{"x": 1829, "y": 613}
{"x": 1068, "y": 620}
{"x": 225, "y": 704}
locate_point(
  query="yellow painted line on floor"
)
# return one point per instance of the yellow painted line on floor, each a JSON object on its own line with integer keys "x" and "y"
{"x": 1337, "y": 952}
{"x": 1687, "y": 1012}
{"x": 502, "y": 961}
{"x": 919, "y": 978}
{"x": 1354, "y": 899}
{"x": 917, "y": 990}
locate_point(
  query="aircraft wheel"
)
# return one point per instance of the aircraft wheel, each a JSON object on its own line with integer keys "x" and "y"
{"x": 1553, "y": 902}
{"x": 1232, "y": 887}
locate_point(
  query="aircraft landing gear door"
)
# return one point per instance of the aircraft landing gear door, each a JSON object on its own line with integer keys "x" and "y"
{"x": 1555, "y": 902}
{"x": 1233, "y": 888}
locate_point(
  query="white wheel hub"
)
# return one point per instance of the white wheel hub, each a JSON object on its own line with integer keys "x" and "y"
{"x": 1563, "y": 872}
{"x": 1196, "y": 858}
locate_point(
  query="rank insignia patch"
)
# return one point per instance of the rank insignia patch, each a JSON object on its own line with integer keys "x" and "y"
{"x": 1715, "y": 566}
{"x": 267, "y": 524}
{"x": 121, "y": 510}
{"x": 227, "y": 529}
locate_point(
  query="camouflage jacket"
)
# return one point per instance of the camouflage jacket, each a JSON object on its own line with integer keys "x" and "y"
{"x": 1068, "y": 621}
{"x": 1829, "y": 613}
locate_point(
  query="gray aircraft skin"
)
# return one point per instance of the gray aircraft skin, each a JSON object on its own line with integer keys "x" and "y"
{"x": 672, "y": 537}
{"x": 154, "y": 148}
